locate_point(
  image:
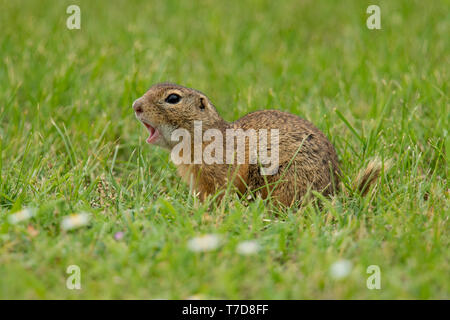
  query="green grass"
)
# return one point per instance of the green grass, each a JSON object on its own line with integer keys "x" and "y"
{"x": 69, "y": 142}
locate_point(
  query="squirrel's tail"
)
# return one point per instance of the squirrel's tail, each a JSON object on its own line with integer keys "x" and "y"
{"x": 368, "y": 176}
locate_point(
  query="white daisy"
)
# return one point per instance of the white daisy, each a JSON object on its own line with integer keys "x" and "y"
{"x": 75, "y": 221}
{"x": 341, "y": 269}
{"x": 248, "y": 247}
{"x": 206, "y": 242}
{"x": 197, "y": 297}
{"x": 20, "y": 216}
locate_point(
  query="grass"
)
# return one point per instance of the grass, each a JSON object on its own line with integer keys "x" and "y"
{"x": 69, "y": 143}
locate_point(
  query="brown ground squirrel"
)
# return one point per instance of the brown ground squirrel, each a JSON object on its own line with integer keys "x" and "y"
{"x": 306, "y": 159}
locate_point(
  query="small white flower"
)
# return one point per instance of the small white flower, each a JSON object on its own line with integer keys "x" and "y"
{"x": 206, "y": 242}
{"x": 20, "y": 216}
{"x": 197, "y": 297}
{"x": 341, "y": 269}
{"x": 75, "y": 221}
{"x": 247, "y": 247}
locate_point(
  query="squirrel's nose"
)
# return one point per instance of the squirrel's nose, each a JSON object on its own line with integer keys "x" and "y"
{"x": 137, "y": 106}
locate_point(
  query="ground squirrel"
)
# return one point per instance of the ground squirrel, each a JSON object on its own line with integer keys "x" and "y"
{"x": 306, "y": 159}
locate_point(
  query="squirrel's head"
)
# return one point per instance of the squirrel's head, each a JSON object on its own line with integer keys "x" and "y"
{"x": 166, "y": 107}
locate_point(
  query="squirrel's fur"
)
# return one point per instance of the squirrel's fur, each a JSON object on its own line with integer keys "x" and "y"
{"x": 307, "y": 160}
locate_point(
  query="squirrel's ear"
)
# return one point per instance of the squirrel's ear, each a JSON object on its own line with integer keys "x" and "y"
{"x": 203, "y": 103}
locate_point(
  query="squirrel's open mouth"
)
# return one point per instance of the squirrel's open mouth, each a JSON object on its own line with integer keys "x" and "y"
{"x": 154, "y": 133}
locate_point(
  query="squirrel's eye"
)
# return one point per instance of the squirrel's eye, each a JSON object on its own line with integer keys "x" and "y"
{"x": 173, "y": 98}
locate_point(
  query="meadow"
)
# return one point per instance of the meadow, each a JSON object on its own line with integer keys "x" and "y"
{"x": 70, "y": 143}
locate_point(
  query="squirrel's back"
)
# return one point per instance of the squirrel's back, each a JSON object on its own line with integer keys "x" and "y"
{"x": 307, "y": 159}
